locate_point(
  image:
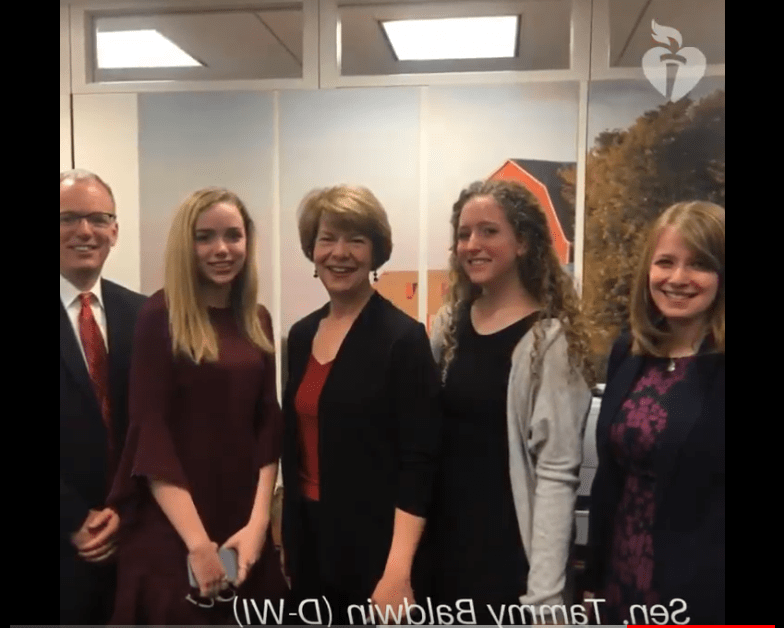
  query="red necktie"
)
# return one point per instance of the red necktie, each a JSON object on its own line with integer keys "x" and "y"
{"x": 97, "y": 363}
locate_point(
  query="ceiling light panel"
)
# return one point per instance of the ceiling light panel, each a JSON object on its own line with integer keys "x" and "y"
{"x": 140, "y": 49}
{"x": 492, "y": 37}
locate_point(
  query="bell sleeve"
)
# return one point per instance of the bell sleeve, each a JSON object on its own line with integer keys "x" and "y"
{"x": 150, "y": 451}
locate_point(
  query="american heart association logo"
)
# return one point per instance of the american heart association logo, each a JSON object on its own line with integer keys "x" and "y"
{"x": 689, "y": 63}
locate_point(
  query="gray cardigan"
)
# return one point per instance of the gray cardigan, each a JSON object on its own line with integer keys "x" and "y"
{"x": 546, "y": 425}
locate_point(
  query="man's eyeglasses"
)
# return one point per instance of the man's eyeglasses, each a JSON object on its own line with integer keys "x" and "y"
{"x": 100, "y": 220}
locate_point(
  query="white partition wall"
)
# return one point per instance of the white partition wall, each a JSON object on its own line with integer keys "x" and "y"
{"x": 225, "y": 140}
{"x": 106, "y": 141}
{"x": 65, "y": 132}
{"x": 65, "y": 91}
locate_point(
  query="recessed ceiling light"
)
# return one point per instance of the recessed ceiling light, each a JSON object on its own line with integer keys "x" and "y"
{"x": 140, "y": 49}
{"x": 453, "y": 38}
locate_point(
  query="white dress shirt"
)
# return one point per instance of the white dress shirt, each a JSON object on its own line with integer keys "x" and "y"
{"x": 69, "y": 296}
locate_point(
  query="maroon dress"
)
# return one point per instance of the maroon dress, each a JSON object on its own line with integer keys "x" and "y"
{"x": 210, "y": 428}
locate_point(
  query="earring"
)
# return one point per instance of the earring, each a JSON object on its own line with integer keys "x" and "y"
{"x": 375, "y": 275}
{"x": 315, "y": 272}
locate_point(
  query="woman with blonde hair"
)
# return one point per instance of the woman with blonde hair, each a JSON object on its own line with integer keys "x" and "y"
{"x": 361, "y": 422}
{"x": 657, "y": 503}
{"x": 200, "y": 460}
{"x": 513, "y": 355}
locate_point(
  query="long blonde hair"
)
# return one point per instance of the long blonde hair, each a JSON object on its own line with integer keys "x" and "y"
{"x": 192, "y": 333}
{"x": 701, "y": 225}
{"x": 540, "y": 272}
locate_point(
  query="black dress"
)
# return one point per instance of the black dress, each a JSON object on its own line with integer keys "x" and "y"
{"x": 477, "y": 550}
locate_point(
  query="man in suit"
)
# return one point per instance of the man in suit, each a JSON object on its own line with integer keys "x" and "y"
{"x": 97, "y": 318}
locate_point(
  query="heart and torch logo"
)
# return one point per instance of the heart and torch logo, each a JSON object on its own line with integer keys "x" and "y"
{"x": 686, "y": 65}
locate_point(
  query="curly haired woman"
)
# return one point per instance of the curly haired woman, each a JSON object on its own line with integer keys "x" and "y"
{"x": 514, "y": 360}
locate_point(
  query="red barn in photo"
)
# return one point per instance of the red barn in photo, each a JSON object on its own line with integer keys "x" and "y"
{"x": 541, "y": 178}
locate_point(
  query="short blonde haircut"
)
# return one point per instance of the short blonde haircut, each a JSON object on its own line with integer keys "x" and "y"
{"x": 352, "y": 208}
{"x": 189, "y": 323}
{"x": 701, "y": 225}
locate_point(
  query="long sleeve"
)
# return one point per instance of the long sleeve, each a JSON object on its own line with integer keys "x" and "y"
{"x": 619, "y": 351}
{"x": 546, "y": 453}
{"x": 416, "y": 394}
{"x": 605, "y": 485}
{"x": 150, "y": 451}
{"x": 269, "y": 420}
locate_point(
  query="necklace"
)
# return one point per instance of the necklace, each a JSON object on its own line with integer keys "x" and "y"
{"x": 694, "y": 350}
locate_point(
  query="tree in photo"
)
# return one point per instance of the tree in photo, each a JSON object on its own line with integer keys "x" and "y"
{"x": 670, "y": 154}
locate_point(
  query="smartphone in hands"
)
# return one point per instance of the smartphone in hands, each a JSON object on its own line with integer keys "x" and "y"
{"x": 228, "y": 558}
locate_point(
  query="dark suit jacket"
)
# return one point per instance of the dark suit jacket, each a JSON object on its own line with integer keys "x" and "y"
{"x": 688, "y": 531}
{"x": 83, "y": 439}
{"x": 379, "y": 433}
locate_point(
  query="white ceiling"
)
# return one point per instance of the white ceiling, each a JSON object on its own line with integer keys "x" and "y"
{"x": 268, "y": 43}
{"x": 700, "y": 22}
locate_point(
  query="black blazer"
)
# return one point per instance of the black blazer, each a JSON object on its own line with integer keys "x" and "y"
{"x": 83, "y": 440}
{"x": 379, "y": 433}
{"x": 688, "y": 532}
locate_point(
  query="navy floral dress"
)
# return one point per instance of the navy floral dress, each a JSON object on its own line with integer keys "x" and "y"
{"x": 635, "y": 436}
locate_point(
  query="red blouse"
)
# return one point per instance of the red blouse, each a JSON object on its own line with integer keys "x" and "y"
{"x": 306, "y": 406}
